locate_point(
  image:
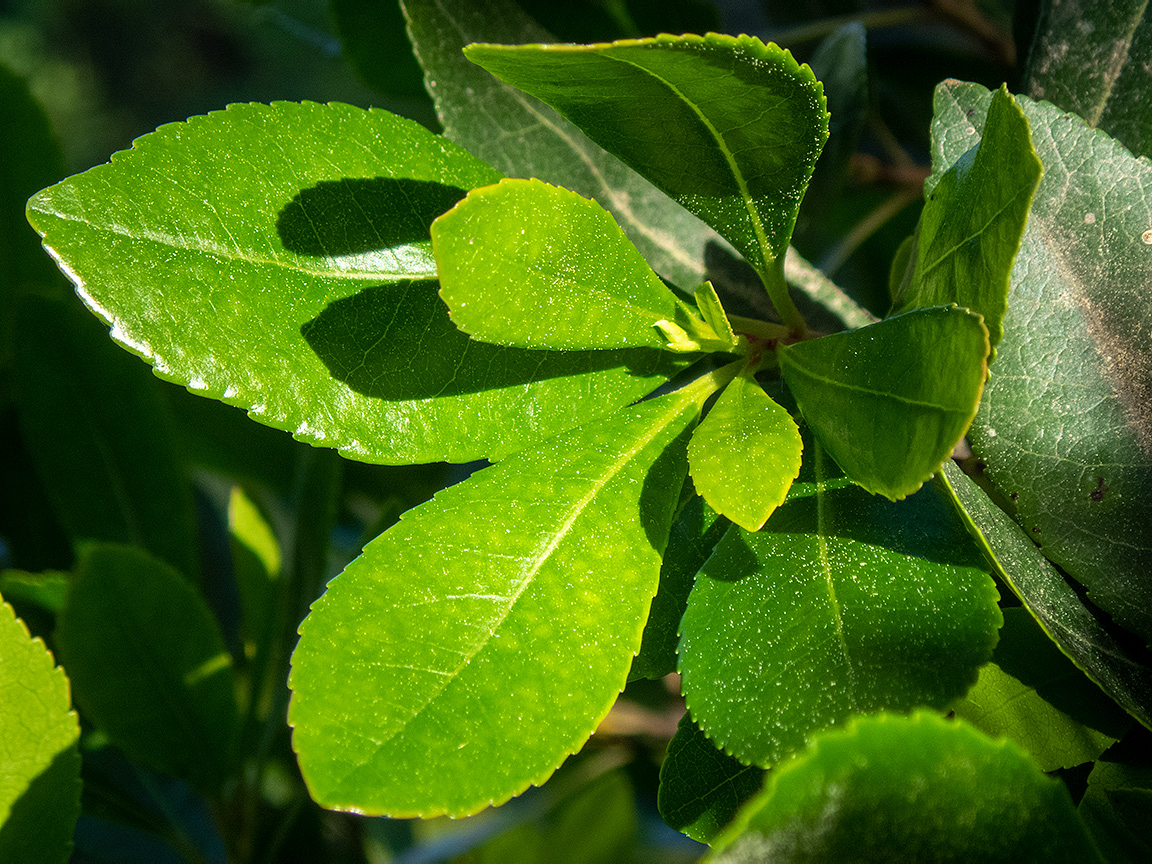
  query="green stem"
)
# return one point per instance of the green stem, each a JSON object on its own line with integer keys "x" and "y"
{"x": 778, "y": 291}
{"x": 758, "y": 328}
{"x": 871, "y": 20}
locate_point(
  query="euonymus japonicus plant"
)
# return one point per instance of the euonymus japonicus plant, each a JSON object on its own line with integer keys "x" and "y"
{"x": 746, "y": 499}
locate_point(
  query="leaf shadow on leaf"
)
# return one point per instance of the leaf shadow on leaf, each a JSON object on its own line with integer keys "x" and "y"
{"x": 660, "y": 493}
{"x": 354, "y": 215}
{"x": 397, "y": 342}
{"x": 46, "y": 811}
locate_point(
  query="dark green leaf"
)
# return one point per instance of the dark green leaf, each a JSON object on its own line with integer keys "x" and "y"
{"x": 40, "y": 778}
{"x": 1032, "y": 693}
{"x": 745, "y": 455}
{"x": 524, "y": 138}
{"x": 479, "y": 641}
{"x": 891, "y": 400}
{"x": 596, "y": 824}
{"x": 374, "y": 43}
{"x": 1092, "y": 58}
{"x": 748, "y": 119}
{"x": 844, "y": 603}
{"x": 1065, "y": 426}
{"x": 974, "y": 218}
{"x": 530, "y": 265}
{"x": 148, "y": 665}
{"x": 1116, "y": 805}
{"x": 914, "y": 788}
{"x": 701, "y": 786}
{"x": 46, "y": 590}
{"x": 1052, "y": 601}
{"x": 101, "y": 435}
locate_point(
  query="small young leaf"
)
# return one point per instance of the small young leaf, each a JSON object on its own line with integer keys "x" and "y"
{"x": 751, "y": 118}
{"x": 745, "y": 455}
{"x": 148, "y": 664}
{"x": 1032, "y": 693}
{"x": 479, "y": 641}
{"x": 701, "y": 786}
{"x": 530, "y": 265}
{"x": 913, "y": 788}
{"x": 974, "y": 218}
{"x": 713, "y": 311}
{"x": 891, "y": 400}
{"x": 844, "y": 603}
{"x": 40, "y": 768}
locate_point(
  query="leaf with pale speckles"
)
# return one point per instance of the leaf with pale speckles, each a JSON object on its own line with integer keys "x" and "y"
{"x": 844, "y": 603}
{"x": 479, "y": 641}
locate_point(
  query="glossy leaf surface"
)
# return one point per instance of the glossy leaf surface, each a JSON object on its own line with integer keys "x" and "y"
{"x": 1052, "y": 601}
{"x": 974, "y": 218}
{"x": 934, "y": 790}
{"x": 701, "y": 786}
{"x": 40, "y": 773}
{"x": 1032, "y": 693}
{"x": 1065, "y": 425}
{"x": 745, "y": 454}
{"x": 526, "y": 264}
{"x": 844, "y": 603}
{"x": 148, "y": 665}
{"x": 479, "y": 641}
{"x": 890, "y": 401}
{"x": 1092, "y": 59}
{"x": 525, "y": 138}
{"x": 744, "y": 115}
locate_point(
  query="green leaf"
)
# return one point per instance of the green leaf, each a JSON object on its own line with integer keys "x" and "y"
{"x": 1116, "y": 804}
{"x": 374, "y": 43}
{"x": 1065, "y": 426}
{"x": 748, "y": 119}
{"x": 293, "y": 281}
{"x": 526, "y": 264}
{"x": 844, "y": 603}
{"x": 1092, "y": 59}
{"x": 745, "y": 454}
{"x": 1052, "y": 601}
{"x": 891, "y": 400}
{"x": 913, "y": 788}
{"x": 479, "y": 641}
{"x": 695, "y": 532}
{"x": 974, "y": 218}
{"x": 1032, "y": 693}
{"x": 46, "y": 589}
{"x": 40, "y": 780}
{"x": 99, "y": 430}
{"x": 701, "y": 786}
{"x": 525, "y": 138}
{"x": 596, "y": 824}
{"x": 148, "y": 665}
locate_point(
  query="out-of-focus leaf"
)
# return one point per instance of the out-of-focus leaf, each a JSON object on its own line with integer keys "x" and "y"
{"x": 375, "y": 44}
{"x": 913, "y": 788}
{"x": 974, "y": 218}
{"x": 1051, "y": 600}
{"x": 480, "y": 640}
{"x": 46, "y": 590}
{"x": 530, "y": 265}
{"x": 1092, "y": 58}
{"x": 1031, "y": 693}
{"x": 597, "y": 824}
{"x": 39, "y": 762}
{"x": 844, "y": 603}
{"x": 891, "y": 400}
{"x": 98, "y": 428}
{"x": 525, "y": 138}
{"x": 745, "y": 455}
{"x": 748, "y": 119}
{"x": 701, "y": 786}
{"x": 1065, "y": 425}
{"x": 148, "y": 665}
{"x": 1116, "y": 804}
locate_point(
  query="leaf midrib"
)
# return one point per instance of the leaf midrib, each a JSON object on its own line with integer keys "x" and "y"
{"x": 799, "y": 367}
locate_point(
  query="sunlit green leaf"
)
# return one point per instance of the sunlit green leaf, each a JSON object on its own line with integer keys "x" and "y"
{"x": 1052, "y": 601}
{"x": 913, "y": 788}
{"x": 526, "y": 264}
{"x": 745, "y": 116}
{"x": 701, "y": 786}
{"x": 1065, "y": 426}
{"x": 973, "y": 220}
{"x": 844, "y": 603}
{"x": 148, "y": 664}
{"x": 1032, "y": 693}
{"x": 479, "y": 641}
{"x": 40, "y": 773}
{"x": 745, "y": 455}
{"x": 891, "y": 400}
